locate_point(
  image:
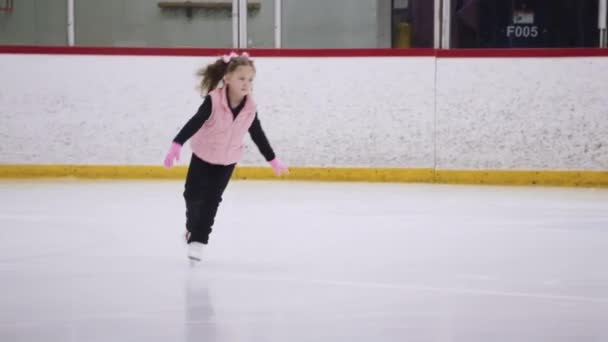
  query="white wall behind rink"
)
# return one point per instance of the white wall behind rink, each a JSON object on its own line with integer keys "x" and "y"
{"x": 406, "y": 112}
{"x": 526, "y": 113}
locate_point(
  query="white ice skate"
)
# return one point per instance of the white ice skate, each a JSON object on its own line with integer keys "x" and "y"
{"x": 195, "y": 251}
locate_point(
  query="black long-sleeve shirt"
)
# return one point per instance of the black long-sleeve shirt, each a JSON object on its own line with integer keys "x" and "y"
{"x": 204, "y": 112}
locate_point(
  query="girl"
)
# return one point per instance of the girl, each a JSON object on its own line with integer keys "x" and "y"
{"x": 216, "y": 135}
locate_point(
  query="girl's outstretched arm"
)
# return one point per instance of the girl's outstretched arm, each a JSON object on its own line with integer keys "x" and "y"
{"x": 259, "y": 138}
{"x": 192, "y": 126}
{"x": 195, "y": 123}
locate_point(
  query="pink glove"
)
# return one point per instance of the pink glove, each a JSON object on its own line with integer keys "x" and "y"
{"x": 279, "y": 167}
{"x": 172, "y": 155}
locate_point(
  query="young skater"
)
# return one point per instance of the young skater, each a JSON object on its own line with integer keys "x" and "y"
{"x": 216, "y": 134}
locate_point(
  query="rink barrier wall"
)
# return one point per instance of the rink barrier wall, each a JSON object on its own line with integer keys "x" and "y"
{"x": 434, "y": 138}
{"x": 380, "y": 52}
{"x": 241, "y": 172}
{"x": 477, "y": 177}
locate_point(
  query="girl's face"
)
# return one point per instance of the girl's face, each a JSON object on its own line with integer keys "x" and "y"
{"x": 240, "y": 80}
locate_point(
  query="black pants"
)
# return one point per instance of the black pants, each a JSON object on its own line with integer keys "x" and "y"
{"x": 205, "y": 185}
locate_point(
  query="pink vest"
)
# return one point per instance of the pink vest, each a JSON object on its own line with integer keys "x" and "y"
{"x": 220, "y": 140}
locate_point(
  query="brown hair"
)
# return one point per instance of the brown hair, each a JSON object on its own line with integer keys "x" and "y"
{"x": 213, "y": 73}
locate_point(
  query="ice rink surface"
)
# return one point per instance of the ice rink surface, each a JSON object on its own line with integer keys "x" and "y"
{"x": 303, "y": 261}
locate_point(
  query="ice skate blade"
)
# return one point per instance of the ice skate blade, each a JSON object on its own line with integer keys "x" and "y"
{"x": 194, "y": 261}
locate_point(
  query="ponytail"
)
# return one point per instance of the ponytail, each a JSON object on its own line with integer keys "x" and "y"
{"x": 211, "y": 75}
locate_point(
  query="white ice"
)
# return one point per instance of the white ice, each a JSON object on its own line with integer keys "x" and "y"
{"x": 303, "y": 261}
